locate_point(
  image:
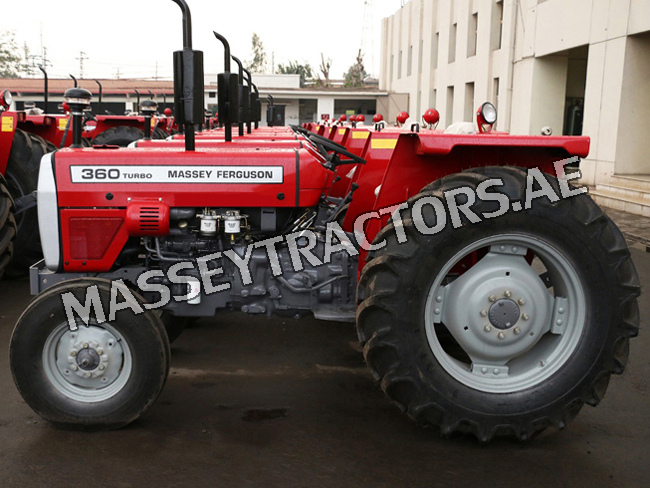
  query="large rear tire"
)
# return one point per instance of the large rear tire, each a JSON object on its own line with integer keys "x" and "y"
{"x": 23, "y": 166}
{"x": 122, "y": 136}
{"x": 7, "y": 226}
{"x": 502, "y": 327}
{"x": 101, "y": 376}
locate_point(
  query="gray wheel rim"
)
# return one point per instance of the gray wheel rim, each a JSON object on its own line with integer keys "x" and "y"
{"x": 516, "y": 333}
{"x": 89, "y": 365}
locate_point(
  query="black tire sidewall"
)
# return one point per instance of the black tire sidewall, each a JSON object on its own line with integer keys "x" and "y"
{"x": 578, "y": 372}
{"x": 147, "y": 343}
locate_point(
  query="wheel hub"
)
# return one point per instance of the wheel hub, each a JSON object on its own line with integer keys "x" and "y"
{"x": 504, "y": 314}
{"x": 88, "y": 359}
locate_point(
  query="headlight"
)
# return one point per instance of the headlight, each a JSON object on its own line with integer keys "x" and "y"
{"x": 6, "y": 99}
{"x": 489, "y": 113}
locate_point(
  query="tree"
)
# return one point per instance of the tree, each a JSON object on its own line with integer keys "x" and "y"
{"x": 325, "y": 70}
{"x": 296, "y": 68}
{"x": 259, "y": 64}
{"x": 11, "y": 65}
{"x": 356, "y": 73}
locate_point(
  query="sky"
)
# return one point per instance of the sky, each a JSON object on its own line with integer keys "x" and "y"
{"x": 138, "y": 36}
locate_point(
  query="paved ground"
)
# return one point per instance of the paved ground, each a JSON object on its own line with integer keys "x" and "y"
{"x": 252, "y": 402}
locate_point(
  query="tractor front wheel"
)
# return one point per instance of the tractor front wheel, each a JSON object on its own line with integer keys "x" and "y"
{"x": 99, "y": 376}
{"x": 501, "y": 327}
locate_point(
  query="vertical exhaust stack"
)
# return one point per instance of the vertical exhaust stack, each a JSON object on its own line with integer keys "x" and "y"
{"x": 45, "y": 90}
{"x": 75, "y": 81}
{"x": 244, "y": 93}
{"x": 99, "y": 101}
{"x": 251, "y": 101}
{"x": 188, "y": 81}
{"x": 270, "y": 111}
{"x": 227, "y": 92}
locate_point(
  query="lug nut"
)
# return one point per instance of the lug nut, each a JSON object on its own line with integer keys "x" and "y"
{"x": 515, "y": 249}
{"x": 483, "y": 313}
{"x": 516, "y": 330}
{"x": 101, "y": 367}
{"x": 501, "y": 335}
{"x": 507, "y": 294}
{"x": 487, "y": 328}
{"x": 521, "y": 301}
{"x": 496, "y": 371}
{"x": 73, "y": 353}
{"x": 525, "y": 316}
{"x": 502, "y": 248}
{"x": 100, "y": 351}
{"x": 558, "y": 322}
{"x": 88, "y": 375}
{"x": 484, "y": 370}
{"x": 492, "y": 298}
{"x": 438, "y": 299}
{"x": 85, "y": 346}
{"x": 74, "y": 367}
{"x": 437, "y": 311}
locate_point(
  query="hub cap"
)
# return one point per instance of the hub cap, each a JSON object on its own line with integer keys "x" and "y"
{"x": 514, "y": 330}
{"x": 90, "y": 364}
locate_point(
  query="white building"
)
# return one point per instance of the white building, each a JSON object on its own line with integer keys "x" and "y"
{"x": 577, "y": 66}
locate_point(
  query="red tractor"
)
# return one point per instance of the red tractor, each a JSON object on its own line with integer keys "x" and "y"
{"x": 490, "y": 296}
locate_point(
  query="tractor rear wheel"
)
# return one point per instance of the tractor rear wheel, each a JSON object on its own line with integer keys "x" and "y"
{"x": 7, "y": 226}
{"x": 22, "y": 177}
{"x": 122, "y": 136}
{"x": 501, "y": 327}
{"x": 99, "y": 376}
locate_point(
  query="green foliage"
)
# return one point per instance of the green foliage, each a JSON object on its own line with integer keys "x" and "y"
{"x": 356, "y": 73}
{"x": 259, "y": 64}
{"x": 296, "y": 68}
{"x": 11, "y": 63}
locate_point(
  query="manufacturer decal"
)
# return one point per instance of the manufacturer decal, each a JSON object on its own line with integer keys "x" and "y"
{"x": 177, "y": 174}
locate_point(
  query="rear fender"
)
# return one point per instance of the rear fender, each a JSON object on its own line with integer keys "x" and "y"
{"x": 419, "y": 159}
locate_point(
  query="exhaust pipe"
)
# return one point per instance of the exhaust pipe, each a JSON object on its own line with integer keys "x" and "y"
{"x": 227, "y": 92}
{"x": 188, "y": 81}
{"x": 99, "y": 104}
{"x": 45, "y": 89}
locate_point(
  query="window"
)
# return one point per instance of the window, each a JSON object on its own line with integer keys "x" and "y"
{"x": 472, "y": 35}
{"x": 418, "y": 110}
{"x": 432, "y": 100}
{"x": 399, "y": 65}
{"x": 468, "y": 116}
{"x": 449, "y": 112}
{"x": 496, "y": 31}
{"x": 434, "y": 51}
{"x": 409, "y": 66}
{"x": 452, "y": 43}
{"x": 212, "y": 94}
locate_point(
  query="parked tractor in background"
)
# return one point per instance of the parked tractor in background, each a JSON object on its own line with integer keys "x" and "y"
{"x": 28, "y": 135}
{"x": 484, "y": 302}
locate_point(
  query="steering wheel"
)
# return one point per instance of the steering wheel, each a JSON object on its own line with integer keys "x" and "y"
{"x": 325, "y": 145}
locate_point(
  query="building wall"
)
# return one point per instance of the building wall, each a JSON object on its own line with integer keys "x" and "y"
{"x": 549, "y": 50}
